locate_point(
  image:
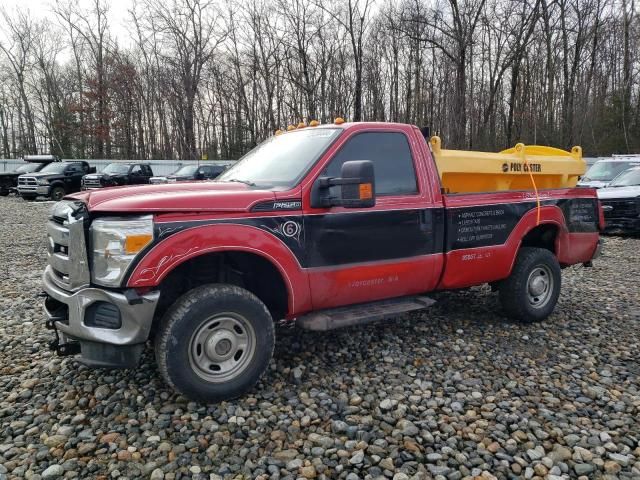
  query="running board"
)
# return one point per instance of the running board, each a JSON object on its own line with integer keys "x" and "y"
{"x": 339, "y": 317}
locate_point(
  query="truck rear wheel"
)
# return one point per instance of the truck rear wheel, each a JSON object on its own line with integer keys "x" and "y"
{"x": 531, "y": 292}
{"x": 215, "y": 343}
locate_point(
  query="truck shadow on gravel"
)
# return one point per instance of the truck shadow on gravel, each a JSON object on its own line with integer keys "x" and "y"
{"x": 472, "y": 315}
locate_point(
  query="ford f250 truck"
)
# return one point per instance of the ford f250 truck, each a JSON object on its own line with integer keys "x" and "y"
{"x": 326, "y": 226}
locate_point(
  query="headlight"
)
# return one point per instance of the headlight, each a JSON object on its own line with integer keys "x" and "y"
{"x": 115, "y": 243}
{"x": 42, "y": 181}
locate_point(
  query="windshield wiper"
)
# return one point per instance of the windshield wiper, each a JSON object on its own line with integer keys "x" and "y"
{"x": 246, "y": 182}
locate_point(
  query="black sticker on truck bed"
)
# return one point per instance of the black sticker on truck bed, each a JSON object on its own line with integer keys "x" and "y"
{"x": 471, "y": 227}
{"x": 581, "y": 214}
{"x": 487, "y": 225}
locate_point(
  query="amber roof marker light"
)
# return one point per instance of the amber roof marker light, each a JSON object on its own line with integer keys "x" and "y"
{"x": 339, "y": 121}
{"x": 314, "y": 123}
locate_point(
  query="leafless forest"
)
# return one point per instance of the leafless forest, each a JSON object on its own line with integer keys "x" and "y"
{"x": 196, "y": 77}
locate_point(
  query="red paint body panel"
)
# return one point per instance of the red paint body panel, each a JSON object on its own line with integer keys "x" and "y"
{"x": 179, "y": 248}
{"x": 361, "y": 283}
{"x": 175, "y": 197}
{"x": 317, "y": 288}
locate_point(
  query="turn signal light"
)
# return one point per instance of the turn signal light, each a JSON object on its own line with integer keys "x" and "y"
{"x": 135, "y": 243}
{"x": 365, "y": 191}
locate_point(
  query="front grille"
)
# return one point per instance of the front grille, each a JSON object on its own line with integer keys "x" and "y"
{"x": 620, "y": 208}
{"x": 27, "y": 183}
{"x": 92, "y": 183}
{"x": 66, "y": 246}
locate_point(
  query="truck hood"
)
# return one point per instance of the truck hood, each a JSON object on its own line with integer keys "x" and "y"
{"x": 179, "y": 177}
{"x": 593, "y": 183}
{"x": 174, "y": 197}
{"x": 618, "y": 192}
{"x": 40, "y": 174}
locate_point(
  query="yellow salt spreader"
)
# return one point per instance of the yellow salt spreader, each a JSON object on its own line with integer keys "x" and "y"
{"x": 523, "y": 167}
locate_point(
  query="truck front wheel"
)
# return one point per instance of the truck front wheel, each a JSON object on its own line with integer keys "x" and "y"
{"x": 531, "y": 292}
{"x": 57, "y": 193}
{"x": 215, "y": 343}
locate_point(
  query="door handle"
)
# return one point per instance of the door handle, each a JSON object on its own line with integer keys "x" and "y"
{"x": 426, "y": 221}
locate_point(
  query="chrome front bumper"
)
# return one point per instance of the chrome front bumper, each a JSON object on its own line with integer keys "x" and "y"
{"x": 136, "y": 313}
{"x": 34, "y": 190}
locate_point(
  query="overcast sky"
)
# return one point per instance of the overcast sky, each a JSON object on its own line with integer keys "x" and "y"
{"x": 118, "y": 13}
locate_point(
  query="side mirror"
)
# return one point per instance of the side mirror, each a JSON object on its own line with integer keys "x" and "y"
{"x": 357, "y": 182}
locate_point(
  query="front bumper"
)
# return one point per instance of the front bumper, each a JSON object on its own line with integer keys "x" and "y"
{"x": 68, "y": 313}
{"x": 42, "y": 190}
{"x": 622, "y": 224}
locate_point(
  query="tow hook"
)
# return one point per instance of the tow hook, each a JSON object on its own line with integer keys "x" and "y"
{"x": 64, "y": 349}
{"x": 61, "y": 349}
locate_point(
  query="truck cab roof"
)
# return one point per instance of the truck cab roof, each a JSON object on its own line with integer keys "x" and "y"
{"x": 41, "y": 158}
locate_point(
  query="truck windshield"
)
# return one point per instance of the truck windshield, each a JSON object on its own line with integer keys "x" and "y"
{"x": 604, "y": 171}
{"x": 630, "y": 178}
{"x": 116, "y": 169}
{"x": 56, "y": 167}
{"x": 28, "y": 168}
{"x": 281, "y": 160}
{"x": 186, "y": 170}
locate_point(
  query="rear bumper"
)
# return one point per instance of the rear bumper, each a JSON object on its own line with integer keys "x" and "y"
{"x": 69, "y": 312}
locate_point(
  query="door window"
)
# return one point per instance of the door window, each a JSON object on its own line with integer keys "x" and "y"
{"x": 391, "y": 157}
{"x": 136, "y": 170}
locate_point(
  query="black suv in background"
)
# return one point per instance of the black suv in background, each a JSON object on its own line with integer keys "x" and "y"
{"x": 54, "y": 181}
{"x": 191, "y": 172}
{"x": 32, "y": 164}
{"x": 118, "y": 174}
{"x": 621, "y": 203}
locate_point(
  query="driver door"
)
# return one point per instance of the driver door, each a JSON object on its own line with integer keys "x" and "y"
{"x": 364, "y": 254}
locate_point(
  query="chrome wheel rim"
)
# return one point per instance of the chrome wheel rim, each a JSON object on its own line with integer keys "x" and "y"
{"x": 540, "y": 286}
{"x": 222, "y": 347}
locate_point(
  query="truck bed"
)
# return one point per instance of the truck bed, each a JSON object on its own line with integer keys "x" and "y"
{"x": 484, "y": 230}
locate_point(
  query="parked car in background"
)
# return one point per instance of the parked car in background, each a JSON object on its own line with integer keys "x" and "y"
{"x": 621, "y": 202}
{"x": 604, "y": 171}
{"x": 118, "y": 174}
{"x": 32, "y": 164}
{"x": 191, "y": 172}
{"x": 54, "y": 181}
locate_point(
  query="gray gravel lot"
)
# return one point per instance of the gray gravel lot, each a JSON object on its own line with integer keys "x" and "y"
{"x": 457, "y": 392}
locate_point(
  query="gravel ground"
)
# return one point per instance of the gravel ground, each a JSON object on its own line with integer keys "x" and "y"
{"x": 456, "y": 392}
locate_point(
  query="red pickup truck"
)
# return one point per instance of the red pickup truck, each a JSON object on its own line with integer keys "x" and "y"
{"x": 328, "y": 226}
